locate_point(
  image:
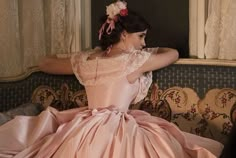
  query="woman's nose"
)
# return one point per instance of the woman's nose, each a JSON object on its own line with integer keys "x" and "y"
{"x": 143, "y": 43}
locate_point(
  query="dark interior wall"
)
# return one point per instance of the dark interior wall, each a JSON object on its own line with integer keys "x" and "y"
{"x": 169, "y": 20}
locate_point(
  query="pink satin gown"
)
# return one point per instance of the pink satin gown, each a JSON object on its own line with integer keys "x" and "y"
{"x": 106, "y": 128}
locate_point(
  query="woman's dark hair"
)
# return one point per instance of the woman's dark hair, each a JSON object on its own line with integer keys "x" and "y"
{"x": 131, "y": 23}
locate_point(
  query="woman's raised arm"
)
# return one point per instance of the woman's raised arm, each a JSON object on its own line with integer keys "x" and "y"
{"x": 55, "y": 65}
{"x": 162, "y": 58}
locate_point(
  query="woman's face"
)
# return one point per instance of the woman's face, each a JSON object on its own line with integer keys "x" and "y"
{"x": 135, "y": 40}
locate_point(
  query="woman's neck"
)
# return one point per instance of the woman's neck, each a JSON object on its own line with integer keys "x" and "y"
{"x": 115, "y": 50}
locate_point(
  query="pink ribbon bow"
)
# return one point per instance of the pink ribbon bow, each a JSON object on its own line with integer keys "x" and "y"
{"x": 110, "y": 27}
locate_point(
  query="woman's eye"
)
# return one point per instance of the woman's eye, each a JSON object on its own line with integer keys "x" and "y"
{"x": 141, "y": 36}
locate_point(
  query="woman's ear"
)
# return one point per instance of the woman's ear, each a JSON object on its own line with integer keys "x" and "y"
{"x": 124, "y": 35}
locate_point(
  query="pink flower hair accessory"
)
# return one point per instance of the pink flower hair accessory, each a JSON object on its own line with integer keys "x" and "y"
{"x": 114, "y": 9}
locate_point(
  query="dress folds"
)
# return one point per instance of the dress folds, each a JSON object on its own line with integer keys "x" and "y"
{"x": 106, "y": 128}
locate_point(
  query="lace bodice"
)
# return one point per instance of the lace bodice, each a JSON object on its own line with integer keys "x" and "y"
{"x": 105, "y": 79}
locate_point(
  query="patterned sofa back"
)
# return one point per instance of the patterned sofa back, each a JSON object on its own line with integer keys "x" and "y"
{"x": 200, "y": 98}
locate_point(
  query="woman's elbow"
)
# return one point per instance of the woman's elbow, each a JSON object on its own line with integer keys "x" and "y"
{"x": 175, "y": 54}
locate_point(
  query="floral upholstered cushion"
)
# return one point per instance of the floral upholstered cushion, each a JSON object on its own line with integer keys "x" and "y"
{"x": 210, "y": 117}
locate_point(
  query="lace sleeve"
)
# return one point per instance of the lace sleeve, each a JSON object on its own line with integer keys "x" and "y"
{"x": 145, "y": 82}
{"x": 75, "y": 60}
{"x": 136, "y": 60}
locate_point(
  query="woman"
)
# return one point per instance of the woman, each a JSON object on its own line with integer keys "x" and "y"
{"x": 113, "y": 75}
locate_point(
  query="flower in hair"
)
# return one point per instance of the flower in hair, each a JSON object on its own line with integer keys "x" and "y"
{"x": 112, "y": 11}
{"x": 124, "y": 12}
{"x": 116, "y": 8}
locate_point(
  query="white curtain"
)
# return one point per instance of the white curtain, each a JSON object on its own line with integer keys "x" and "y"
{"x": 212, "y": 25}
{"x": 196, "y": 28}
{"x": 30, "y": 29}
{"x": 221, "y": 30}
